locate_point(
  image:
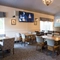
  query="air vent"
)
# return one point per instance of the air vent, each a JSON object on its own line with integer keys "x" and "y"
{"x": 2, "y": 14}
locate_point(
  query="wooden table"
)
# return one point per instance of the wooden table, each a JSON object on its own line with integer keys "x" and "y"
{"x": 55, "y": 38}
{"x": 27, "y": 34}
{"x": 2, "y": 38}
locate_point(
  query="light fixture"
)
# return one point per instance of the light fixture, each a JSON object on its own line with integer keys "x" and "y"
{"x": 47, "y": 2}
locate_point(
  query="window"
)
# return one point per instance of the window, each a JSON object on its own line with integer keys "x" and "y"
{"x": 2, "y": 30}
{"x": 46, "y": 25}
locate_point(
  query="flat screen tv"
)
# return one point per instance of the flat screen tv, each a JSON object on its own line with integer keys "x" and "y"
{"x": 26, "y": 17}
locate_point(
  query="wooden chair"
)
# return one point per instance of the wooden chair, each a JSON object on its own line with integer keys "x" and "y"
{"x": 40, "y": 42}
{"x": 52, "y": 47}
{"x": 25, "y": 38}
{"x": 18, "y": 37}
{"x": 7, "y": 44}
{"x": 32, "y": 38}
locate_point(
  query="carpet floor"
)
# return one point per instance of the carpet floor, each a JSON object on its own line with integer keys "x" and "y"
{"x": 28, "y": 52}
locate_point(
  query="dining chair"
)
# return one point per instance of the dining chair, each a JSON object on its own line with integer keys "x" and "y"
{"x": 7, "y": 44}
{"x": 32, "y": 38}
{"x": 18, "y": 37}
{"x": 25, "y": 38}
{"x": 40, "y": 42}
{"x": 52, "y": 47}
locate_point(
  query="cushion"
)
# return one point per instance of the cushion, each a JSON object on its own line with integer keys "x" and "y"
{"x": 51, "y": 48}
{"x": 1, "y": 43}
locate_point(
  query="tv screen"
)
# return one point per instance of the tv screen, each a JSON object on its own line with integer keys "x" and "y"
{"x": 26, "y": 16}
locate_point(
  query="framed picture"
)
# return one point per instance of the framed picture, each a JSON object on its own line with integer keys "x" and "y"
{"x": 35, "y": 22}
{"x": 13, "y": 21}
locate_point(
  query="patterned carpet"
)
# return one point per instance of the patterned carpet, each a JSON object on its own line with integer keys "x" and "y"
{"x": 28, "y": 52}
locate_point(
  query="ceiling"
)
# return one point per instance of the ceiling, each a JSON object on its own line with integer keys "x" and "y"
{"x": 33, "y": 5}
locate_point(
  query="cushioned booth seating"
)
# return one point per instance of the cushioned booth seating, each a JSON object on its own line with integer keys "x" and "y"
{"x": 56, "y": 32}
{"x": 50, "y": 32}
{"x": 39, "y": 33}
{"x": 53, "y": 33}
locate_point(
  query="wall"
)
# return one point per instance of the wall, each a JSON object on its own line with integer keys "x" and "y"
{"x": 21, "y": 27}
{"x": 57, "y": 24}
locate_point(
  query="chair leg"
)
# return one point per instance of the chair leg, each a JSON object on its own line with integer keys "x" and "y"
{"x": 58, "y": 51}
{"x": 47, "y": 51}
{"x": 13, "y": 50}
{"x": 41, "y": 48}
{"x": 53, "y": 53}
{"x": 36, "y": 47}
{"x": 3, "y": 53}
{"x": 24, "y": 43}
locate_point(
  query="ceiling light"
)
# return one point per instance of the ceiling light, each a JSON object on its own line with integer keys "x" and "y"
{"x": 47, "y": 2}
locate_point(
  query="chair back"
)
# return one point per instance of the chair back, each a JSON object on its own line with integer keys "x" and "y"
{"x": 23, "y": 36}
{"x": 8, "y": 43}
{"x": 50, "y": 42}
{"x": 39, "y": 39}
{"x": 17, "y": 37}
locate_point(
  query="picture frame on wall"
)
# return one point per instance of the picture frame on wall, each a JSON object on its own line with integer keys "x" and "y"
{"x": 35, "y": 22}
{"x": 13, "y": 21}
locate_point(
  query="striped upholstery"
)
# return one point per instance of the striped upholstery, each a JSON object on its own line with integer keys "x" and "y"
{"x": 8, "y": 43}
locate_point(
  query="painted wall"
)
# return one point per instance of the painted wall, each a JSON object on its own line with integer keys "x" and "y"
{"x": 21, "y": 27}
{"x": 57, "y": 22}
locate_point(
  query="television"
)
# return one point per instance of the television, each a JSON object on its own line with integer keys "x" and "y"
{"x": 26, "y": 16}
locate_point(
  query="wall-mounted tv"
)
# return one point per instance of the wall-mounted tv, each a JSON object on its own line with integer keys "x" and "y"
{"x": 26, "y": 16}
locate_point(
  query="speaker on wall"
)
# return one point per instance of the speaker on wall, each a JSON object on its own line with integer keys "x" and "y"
{"x": 15, "y": 13}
